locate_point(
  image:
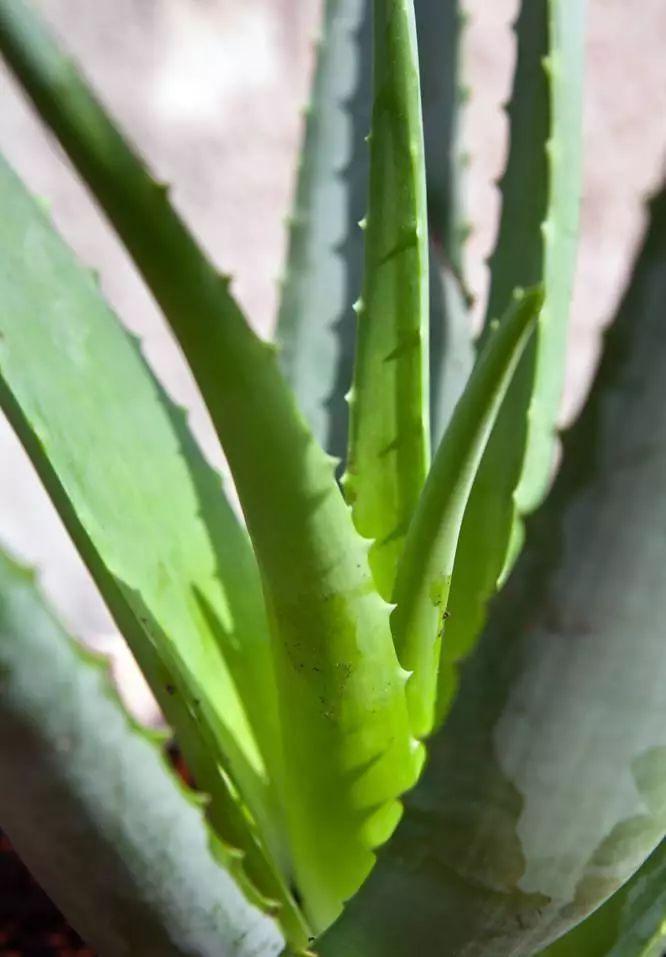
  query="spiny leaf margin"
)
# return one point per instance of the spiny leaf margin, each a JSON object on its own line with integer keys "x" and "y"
{"x": 109, "y": 808}
{"x": 314, "y": 566}
{"x": 426, "y": 565}
{"x": 536, "y": 243}
{"x": 544, "y": 791}
{"x": 126, "y": 479}
{"x": 389, "y": 432}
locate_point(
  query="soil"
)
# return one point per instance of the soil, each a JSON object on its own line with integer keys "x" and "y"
{"x": 30, "y": 925}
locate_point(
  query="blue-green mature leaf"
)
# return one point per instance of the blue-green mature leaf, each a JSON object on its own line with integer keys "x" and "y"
{"x": 146, "y": 513}
{"x": 426, "y": 565}
{"x": 632, "y": 923}
{"x": 348, "y": 748}
{"x": 389, "y": 432}
{"x": 439, "y": 25}
{"x": 90, "y": 804}
{"x": 451, "y": 343}
{"x": 316, "y": 324}
{"x": 546, "y": 788}
{"x": 536, "y": 244}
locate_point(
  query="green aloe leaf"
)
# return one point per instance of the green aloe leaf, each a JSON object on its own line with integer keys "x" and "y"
{"x": 632, "y": 923}
{"x": 545, "y": 790}
{"x": 316, "y": 325}
{"x": 389, "y": 436}
{"x": 439, "y": 26}
{"x": 426, "y": 566}
{"x": 536, "y": 243}
{"x": 92, "y": 807}
{"x": 146, "y": 513}
{"x": 336, "y": 667}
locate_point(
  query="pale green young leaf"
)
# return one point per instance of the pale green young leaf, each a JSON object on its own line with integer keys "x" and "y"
{"x": 389, "y": 437}
{"x": 426, "y": 565}
{"x": 545, "y": 790}
{"x": 348, "y": 749}
{"x": 536, "y": 243}
{"x": 90, "y": 804}
{"x": 146, "y": 513}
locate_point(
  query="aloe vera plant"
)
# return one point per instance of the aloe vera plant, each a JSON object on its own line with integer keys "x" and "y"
{"x": 392, "y": 753}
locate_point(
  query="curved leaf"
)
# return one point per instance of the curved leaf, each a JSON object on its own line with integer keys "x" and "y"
{"x": 426, "y": 565}
{"x": 336, "y": 667}
{"x": 546, "y": 788}
{"x": 142, "y": 508}
{"x": 389, "y": 432}
{"x": 91, "y": 806}
{"x": 536, "y": 243}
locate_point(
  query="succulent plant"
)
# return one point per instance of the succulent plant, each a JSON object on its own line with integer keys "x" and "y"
{"x": 420, "y": 692}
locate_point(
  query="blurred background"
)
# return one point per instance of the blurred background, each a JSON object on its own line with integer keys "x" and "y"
{"x": 211, "y": 92}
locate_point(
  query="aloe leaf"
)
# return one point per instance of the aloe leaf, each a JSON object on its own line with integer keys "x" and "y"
{"x": 316, "y": 325}
{"x": 632, "y": 923}
{"x": 389, "y": 438}
{"x": 452, "y": 353}
{"x": 426, "y": 566}
{"x": 90, "y": 804}
{"x": 439, "y": 26}
{"x": 536, "y": 243}
{"x": 348, "y": 748}
{"x": 147, "y": 516}
{"x": 545, "y": 790}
